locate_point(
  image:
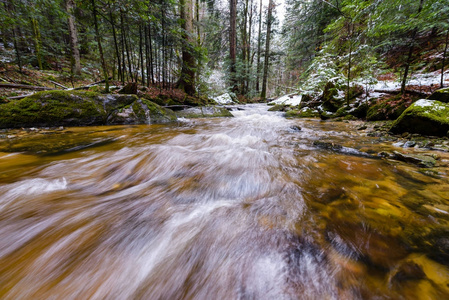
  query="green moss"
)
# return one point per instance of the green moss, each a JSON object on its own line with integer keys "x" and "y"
{"x": 277, "y": 107}
{"x": 428, "y": 120}
{"x": 303, "y": 113}
{"x": 389, "y": 109}
{"x": 53, "y": 108}
{"x": 441, "y": 95}
{"x": 139, "y": 111}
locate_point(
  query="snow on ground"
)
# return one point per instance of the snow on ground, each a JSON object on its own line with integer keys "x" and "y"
{"x": 292, "y": 99}
{"x": 428, "y": 103}
{"x": 224, "y": 99}
{"x": 418, "y": 79}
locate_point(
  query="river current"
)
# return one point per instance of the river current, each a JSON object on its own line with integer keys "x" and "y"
{"x": 224, "y": 208}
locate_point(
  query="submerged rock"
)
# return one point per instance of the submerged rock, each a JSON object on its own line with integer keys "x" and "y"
{"x": 428, "y": 117}
{"x": 79, "y": 108}
{"x": 420, "y": 160}
{"x": 340, "y": 149}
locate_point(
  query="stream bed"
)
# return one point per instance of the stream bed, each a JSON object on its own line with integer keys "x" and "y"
{"x": 223, "y": 208}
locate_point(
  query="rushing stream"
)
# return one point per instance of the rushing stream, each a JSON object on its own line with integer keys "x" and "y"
{"x": 231, "y": 208}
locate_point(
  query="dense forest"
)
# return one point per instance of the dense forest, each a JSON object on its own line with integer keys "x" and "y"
{"x": 248, "y": 47}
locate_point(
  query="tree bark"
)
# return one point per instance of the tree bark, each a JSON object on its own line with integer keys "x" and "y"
{"x": 142, "y": 69}
{"x": 37, "y": 42}
{"x": 187, "y": 78}
{"x": 259, "y": 42}
{"x": 348, "y": 89}
{"x": 444, "y": 59}
{"x": 117, "y": 50}
{"x": 233, "y": 43}
{"x": 25, "y": 87}
{"x": 263, "y": 94}
{"x": 100, "y": 48}
{"x": 410, "y": 52}
{"x": 75, "y": 61}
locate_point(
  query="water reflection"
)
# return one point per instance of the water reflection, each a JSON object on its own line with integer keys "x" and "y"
{"x": 241, "y": 208}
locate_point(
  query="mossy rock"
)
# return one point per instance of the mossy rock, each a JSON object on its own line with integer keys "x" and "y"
{"x": 302, "y": 113}
{"x": 54, "y": 108}
{"x": 361, "y": 111}
{"x": 330, "y": 103}
{"x": 204, "y": 112}
{"x": 440, "y": 95}
{"x": 389, "y": 109}
{"x": 427, "y": 117}
{"x": 354, "y": 91}
{"x": 142, "y": 111}
{"x": 278, "y": 107}
{"x": 76, "y": 108}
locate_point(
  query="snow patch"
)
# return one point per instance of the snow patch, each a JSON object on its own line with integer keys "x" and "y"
{"x": 428, "y": 103}
{"x": 224, "y": 99}
{"x": 291, "y": 99}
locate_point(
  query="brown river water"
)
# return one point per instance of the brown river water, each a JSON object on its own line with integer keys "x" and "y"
{"x": 230, "y": 208}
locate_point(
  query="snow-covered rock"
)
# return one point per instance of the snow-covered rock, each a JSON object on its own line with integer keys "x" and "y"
{"x": 224, "y": 99}
{"x": 292, "y": 99}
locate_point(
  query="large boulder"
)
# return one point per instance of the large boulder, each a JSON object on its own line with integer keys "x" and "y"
{"x": 428, "y": 117}
{"x": 142, "y": 111}
{"x": 330, "y": 101}
{"x": 73, "y": 108}
{"x": 386, "y": 109}
{"x": 440, "y": 95}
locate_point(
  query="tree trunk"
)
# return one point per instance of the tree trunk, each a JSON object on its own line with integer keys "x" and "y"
{"x": 151, "y": 54}
{"x": 117, "y": 50}
{"x": 37, "y": 42}
{"x": 147, "y": 54}
{"x": 142, "y": 69}
{"x": 100, "y": 48}
{"x": 444, "y": 59}
{"x": 348, "y": 88}
{"x": 233, "y": 43}
{"x": 187, "y": 78}
{"x": 75, "y": 59}
{"x": 244, "y": 47}
{"x": 126, "y": 47}
{"x": 410, "y": 52}
{"x": 259, "y": 42}
{"x": 263, "y": 94}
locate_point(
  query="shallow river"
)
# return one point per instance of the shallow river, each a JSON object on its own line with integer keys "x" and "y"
{"x": 233, "y": 208}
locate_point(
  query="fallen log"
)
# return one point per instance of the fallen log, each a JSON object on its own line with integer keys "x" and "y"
{"x": 19, "y": 97}
{"x": 86, "y": 87}
{"x": 58, "y": 84}
{"x": 25, "y": 87}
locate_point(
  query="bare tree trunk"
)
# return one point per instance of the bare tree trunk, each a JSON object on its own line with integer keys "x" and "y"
{"x": 187, "y": 78}
{"x": 233, "y": 43}
{"x": 100, "y": 48}
{"x": 410, "y": 52}
{"x": 75, "y": 61}
{"x": 117, "y": 50}
{"x": 142, "y": 69}
{"x": 126, "y": 47}
{"x": 348, "y": 88}
{"x": 259, "y": 42}
{"x": 444, "y": 59}
{"x": 263, "y": 94}
{"x": 151, "y": 54}
{"x": 37, "y": 42}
